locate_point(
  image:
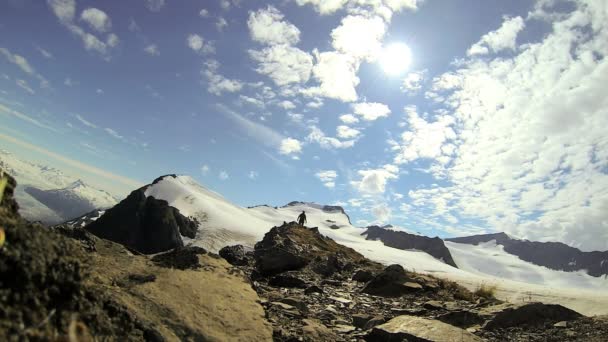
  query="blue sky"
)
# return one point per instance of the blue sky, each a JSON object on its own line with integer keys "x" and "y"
{"x": 493, "y": 124}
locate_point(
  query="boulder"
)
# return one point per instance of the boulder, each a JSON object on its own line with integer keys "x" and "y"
{"x": 363, "y": 276}
{"x": 461, "y": 318}
{"x": 235, "y": 255}
{"x": 392, "y": 282}
{"x": 529, "y": 314}
{"x": 359, "y": 320}
{"x": 287, "y": 281}
{"x": 313, "y": 289}
{"x": 412, "y": 328}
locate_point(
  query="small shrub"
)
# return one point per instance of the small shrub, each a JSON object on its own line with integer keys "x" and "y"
{"x": 486, "y": 291}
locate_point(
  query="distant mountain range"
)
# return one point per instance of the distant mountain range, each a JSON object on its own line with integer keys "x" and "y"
{"x": 554, "y": 255}
{"x": 48, "y": 195}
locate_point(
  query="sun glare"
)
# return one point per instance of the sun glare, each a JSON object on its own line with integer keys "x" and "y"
{"x": 395, "y": 58}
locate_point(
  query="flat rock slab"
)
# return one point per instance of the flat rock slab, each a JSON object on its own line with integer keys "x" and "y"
{"x": 412, "y": 328}
{"x": 530, "y": 314}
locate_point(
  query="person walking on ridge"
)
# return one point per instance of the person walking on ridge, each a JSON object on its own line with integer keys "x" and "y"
{"x": 302, "y": 218}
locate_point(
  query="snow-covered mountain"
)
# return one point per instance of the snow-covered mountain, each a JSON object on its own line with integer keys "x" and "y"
{"x": 220, "y": 223}
{"x": 50, "y": 196}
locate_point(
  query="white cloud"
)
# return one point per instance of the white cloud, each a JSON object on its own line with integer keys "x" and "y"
{"x": 324, "y": 6}
{"x": 154, "y": 5}
{"x": 382, "y": 213}
{"x": 25, "y": 117}
{"x": 345, "y": 132}
{"x": 112, "y": 40}
{"x": 221, "y": 24}
{"x": 317, "y": 136}
{"x": 24, "y": 65}
{"x": 349, "y": 119}
{"x": 371, "y": 111}
{"x": 23, "y": 85}
{"x": 530, "y": 135}
{"x": 426, "y": 139}
{"x": 223, "y": 175}
{"x": 204, "y": 13}
{"x": 195, "y": 42}
{"x": 268, "y": 27}
{"x": 152, "y": 50}
{"x": 205, "y": 169}
{"x": 287, "y": 105}
{"x": 225, "y": 4}
{"x": 373, "y": 181}
{"x": 69, "y": 82}
{"x": 114, "y": 134}
{"x": 251, "y": 101}
{"x": 44, "y": 53}
{"x": 258, "y": 132}
{"x": 359, "y": 37}
{"x": 503, "y": 38}
{"x": 96, "y": 19}
{"x": 284, "y": 64}
{"x": 337, "y": 75}
{"x": 328, "y": 177}
{"x": 64, "y": 10}
{"x": 253, "y": 175}
{"x": 412, "y": 82}
{"x": 218, "y": 84}
{"x": 290, "y": 146}
{"x": 85, "y": 122}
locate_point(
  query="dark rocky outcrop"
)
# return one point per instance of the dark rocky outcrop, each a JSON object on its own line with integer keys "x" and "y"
{"x": 292, "y": 247}
{"x": 402, "y": 240}
{"x": 182, "y": 258}
{"x": 529, "y": 314}
{"x": 236, "y": 255}
{"x": 145, "y": 224}
{"x": 553, "y": 255}
{"x": 392, "y": 282}
{"x": 325, "y": 208}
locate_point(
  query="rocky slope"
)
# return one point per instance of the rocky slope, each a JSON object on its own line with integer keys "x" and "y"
{"x": 66, "y": 284}
{"x": 314, "y": 289}
{"x": 553, "y": 255}
{"x": 402, "y": 240}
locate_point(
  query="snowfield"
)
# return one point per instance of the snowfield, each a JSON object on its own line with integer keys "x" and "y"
{"x": 224, "y": 223}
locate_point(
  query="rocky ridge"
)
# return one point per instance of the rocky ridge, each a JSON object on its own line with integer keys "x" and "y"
{"x": 402, "y": 240}
{"x": 553, "y": 255}
{"x": 316, "y": 290}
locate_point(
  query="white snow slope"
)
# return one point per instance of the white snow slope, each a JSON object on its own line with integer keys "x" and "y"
{"x": 223, "y": 223}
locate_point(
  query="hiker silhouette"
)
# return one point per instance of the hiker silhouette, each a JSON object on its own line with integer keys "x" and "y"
{"x": 302, "y": 218}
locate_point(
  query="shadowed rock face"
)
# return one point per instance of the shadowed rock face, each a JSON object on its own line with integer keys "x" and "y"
{"x": 553, "y": 255}
{"x": 144, "y": 224}
{"x": 403, "y": 240}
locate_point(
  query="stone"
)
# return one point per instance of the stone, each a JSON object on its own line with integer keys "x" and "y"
{"x": 295, "y": 302}
{"x": 562, "y": 324}
{"x": 412, "y": 328}
{"x": 363, "y": 276}
{"x": 529, "y": 314}
{"x": 344, "y": 329}
{"x": 313, "y": 289}
{"x": 359, "y": 320}
{"x": 314, "y": 330}
{"x": 235, "y": 255}
{"x": 377, "y": 320}
{"x": 181, "y": 258}
{"x": 288, "y": 281}
{"x": 340, "y": 300}
{"x": 392, "y": 282}
{"x": 433, "y": 305}
{"x": 461, "y": 318}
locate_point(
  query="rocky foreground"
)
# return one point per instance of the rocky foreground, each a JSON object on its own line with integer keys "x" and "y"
{"x": 296, "y": 285}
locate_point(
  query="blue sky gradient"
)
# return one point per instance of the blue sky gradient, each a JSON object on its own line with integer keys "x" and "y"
{"x": 163, "y": 86}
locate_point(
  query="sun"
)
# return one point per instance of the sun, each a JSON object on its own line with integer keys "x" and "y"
{"x": 395, "y": 58}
